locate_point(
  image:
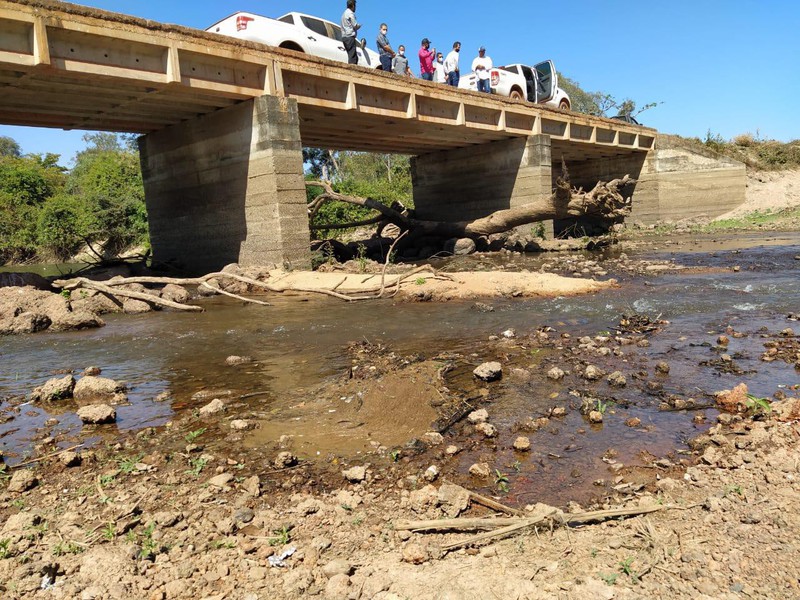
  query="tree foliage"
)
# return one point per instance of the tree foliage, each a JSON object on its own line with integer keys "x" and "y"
{"x": 47, "y": 212}
{"x": 385, "y": 177}
{"x": 600, "y": 104}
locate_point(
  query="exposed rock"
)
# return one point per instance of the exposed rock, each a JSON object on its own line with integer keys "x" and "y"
{"x": 478, "y": 416}
{"x": 489, "y": 371}
{"x": 633, "y": 422}
{"x": 27, "y": 310}
{"x": 431, "y": 473}
{"x": 415, "y": 553}
{"x": 233, "y": 360}
{"x": 22, "y": 480}
{"x": 459, "y": 246}
{"x": 433, "y": 438}
{"x": 558, "y": 411}
{"x": 241, "y": 425}
{"x": 213, "y": 407}
{"x": 592, "y": 373}
{"x": 452, "y": 450}
{"x": 92, "y": 371}
{"x": 55, "y": 389}
{"x": 555, "y": 374}
{"x": 662, "y": 367}
{"x": 480, "y": 470}
{"x": 595, "y": 416}
{"x": 355, "y": 474}
{"x": 221, "y": 481}
{"x": 522, "y": 444}
{"x": 285, "y": 460}
{"x": 338, "y": 588}
{"x": 453, "y": 498}
{"x": 487, "y": 429}
{"x": 98, "y": 388}
{"x": 175, "y": 293}
{"x": 617, "y": 379}
{"x": 338, "y": 566}
{"x": 94, "y": 414}
{"x": 70, "y": 459}
{"x": 252, "y": 485}
{"x": 734, "y": 400}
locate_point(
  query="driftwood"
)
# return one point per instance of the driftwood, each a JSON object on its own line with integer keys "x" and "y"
{"x": 389, "y": 286}
{"x": 503, "y": 527}
{"x": 604, "y": 201}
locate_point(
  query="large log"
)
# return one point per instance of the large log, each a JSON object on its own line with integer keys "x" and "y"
{"x": 604, "y": 201}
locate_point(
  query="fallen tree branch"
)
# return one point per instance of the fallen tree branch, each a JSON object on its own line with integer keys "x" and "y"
{"x": 506, "y": 526}
{"x": 604, "y": 201}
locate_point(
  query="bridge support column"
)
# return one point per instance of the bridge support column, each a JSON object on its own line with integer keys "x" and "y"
{"x": 228, "y": 188}
{"x": 472, "y": 182}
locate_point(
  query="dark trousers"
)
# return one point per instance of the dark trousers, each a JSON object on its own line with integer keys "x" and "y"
{"x": 453, "y": 78}
{"x": 484, "y": 86}
{"x": 386, "y": 62}
{"x": 350, "y": 47}
{"x": 426, "y": 76}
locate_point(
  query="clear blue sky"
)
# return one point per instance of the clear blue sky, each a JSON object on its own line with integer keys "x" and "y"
{"x": 726, "y": 66}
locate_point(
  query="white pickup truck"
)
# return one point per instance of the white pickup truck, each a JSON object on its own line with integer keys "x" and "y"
{"x": 538, "y": 84}
{"x": 294, "y": 31}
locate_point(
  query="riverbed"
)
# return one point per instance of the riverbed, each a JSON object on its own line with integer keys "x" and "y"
{"x": 748, "y": 283}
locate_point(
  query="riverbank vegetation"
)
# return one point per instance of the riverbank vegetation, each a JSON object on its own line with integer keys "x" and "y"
{"x": 48, "y": 212}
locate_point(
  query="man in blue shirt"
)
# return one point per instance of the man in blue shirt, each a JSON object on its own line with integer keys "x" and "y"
{"x": 349, "y": 28}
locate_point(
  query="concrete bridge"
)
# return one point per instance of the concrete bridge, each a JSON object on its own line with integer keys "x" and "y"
{"x": 224, "y": 122}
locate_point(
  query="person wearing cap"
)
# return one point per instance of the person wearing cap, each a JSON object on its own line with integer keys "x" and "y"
{"x": 451, "y": 65}
{"x": 482, "y": 66}
{"x": 386, "y": 54}
{"x": 426, "y": 60}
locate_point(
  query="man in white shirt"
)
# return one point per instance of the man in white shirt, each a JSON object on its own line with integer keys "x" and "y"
{"x": 482, "y": 66}
{"x": 451, "y": 65}
{"x": 438, "y": 69}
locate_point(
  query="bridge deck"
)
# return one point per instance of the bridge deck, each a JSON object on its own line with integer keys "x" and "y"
{"x": 74, "y": 67}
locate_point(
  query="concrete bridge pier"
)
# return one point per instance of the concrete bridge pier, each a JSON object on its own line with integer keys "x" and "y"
{"x": 472, "y": 182}
{"x": 227, "y": 187}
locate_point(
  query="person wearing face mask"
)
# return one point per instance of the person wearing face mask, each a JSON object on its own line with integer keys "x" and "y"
{"x": 426, "y": 56}
{"x": 482, "y": 66}
{"x": 451, "y": 65}
{"x": 400, "y": 62}
{"x": 438, "y": 69}
{"x": 384, "y": 48}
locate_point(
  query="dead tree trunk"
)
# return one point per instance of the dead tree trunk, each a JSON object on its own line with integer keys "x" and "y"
{"x": 604, "y": 201}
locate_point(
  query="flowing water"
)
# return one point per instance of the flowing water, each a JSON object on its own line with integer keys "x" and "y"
{"x": 298, "y": 344}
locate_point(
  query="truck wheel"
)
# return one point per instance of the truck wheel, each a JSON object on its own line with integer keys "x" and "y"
{"x": 516, "y": 95}
{"x": 564, "y": 105}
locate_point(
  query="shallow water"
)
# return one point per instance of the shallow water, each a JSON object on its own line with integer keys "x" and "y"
{"x": 298, "y": 344}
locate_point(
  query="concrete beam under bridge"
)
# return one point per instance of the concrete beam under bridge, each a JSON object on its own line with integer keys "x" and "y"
{"x": 228, "y": 188}
{"x": 676, "y": 180}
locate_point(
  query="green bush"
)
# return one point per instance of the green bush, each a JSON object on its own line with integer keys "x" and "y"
{"x": 63, "y": 225}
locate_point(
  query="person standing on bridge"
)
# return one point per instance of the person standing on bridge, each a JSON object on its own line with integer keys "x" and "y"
{"x": 400, "y": 62}
{"x": 349, "y": 28}
{"x": 426, "y": 60}
{"x": 384, "y": 49}
{"x": 438, "y": 69}
{"x": 451, "y": 65}
{"x": 482, "y": 66}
